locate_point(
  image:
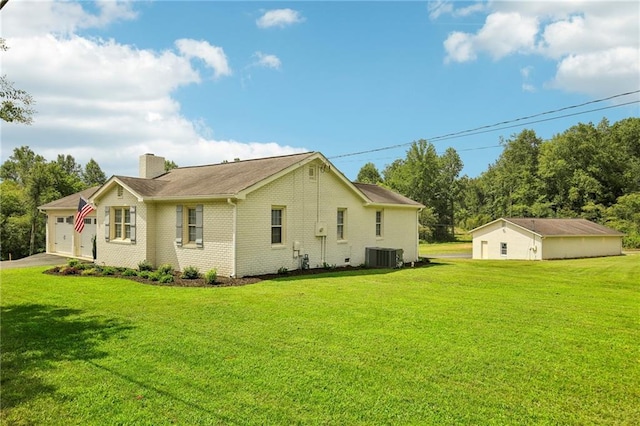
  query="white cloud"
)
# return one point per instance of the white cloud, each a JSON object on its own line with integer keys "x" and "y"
{"x": 213, "y": 56}
{"x": 526, "y": 71}
{"x": 506, "y": 33}
{"x": 596, "y": 44}
{"x": 279, "y": 18}
{"x": 106, "y": 100}
{"x": 438, "y": 8}
{"x": 267, "y": 61}
{"x": 445, "y": 7}
{"x": 20, "y": 19}
{"x": 460, "y": 47}
{"x": 599, "y": 73}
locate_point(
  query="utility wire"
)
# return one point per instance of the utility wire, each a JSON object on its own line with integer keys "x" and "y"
{"x": 494, "y": 127}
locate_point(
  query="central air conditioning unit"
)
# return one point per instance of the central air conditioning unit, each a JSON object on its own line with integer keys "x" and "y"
{"x": 379, "y": 257}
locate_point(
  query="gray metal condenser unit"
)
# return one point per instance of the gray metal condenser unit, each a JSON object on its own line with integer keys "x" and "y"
{"x": 379, "y": 257}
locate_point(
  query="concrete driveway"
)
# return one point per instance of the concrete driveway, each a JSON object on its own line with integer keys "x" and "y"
{"x": 40, "y": 259}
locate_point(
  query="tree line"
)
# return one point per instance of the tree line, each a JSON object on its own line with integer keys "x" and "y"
{"x": 29, "y": 181}
{"x": 588, "y": 171}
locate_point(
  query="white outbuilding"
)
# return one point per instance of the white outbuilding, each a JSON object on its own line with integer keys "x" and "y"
{"x": 539, "y": 239}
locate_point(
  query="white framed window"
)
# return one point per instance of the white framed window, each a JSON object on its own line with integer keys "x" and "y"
{"x": 341, "y": 221}
{"x": 503, "y": 249}
{"x": 189, "y": 226}
{"x": 121, "y": 223}
{"x": 379, "y": 218}
{"x": 277, "y": 225}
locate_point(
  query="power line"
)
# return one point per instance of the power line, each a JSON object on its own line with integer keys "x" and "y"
{"x": 494, "y": 127}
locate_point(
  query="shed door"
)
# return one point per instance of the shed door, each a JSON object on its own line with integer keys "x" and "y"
{"x": 484, "y": 249}
{"x": 64, "y": 234}
{"x": 86, "y": 237}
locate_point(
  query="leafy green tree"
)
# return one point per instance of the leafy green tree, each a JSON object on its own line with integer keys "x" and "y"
{"x": 16, "y": 104}
{"x": 431, "y": 180}
{"x": 14, "y": 221}
{"x": 369, "y": 174}
{"x": 93, "y": 174}
{"x": 37, "y": 182}
{"x": 68, "y": 164}
{"x": 450, "y": 168}
{"x": 19, "y": 165}
{"x": 169, "y": 165}
{"x": 625, "y": 217}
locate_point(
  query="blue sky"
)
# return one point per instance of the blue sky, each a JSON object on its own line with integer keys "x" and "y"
{"x": 201, "y": 82}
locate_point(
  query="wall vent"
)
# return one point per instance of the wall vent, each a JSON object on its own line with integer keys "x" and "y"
{"x": 379, "y": 257}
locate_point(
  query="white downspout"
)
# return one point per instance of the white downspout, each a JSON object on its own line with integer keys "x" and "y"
{"x": 418, "y": 235}
{"x": 233, "y": 238}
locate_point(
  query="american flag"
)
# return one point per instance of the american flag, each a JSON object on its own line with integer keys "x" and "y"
{"x": 84, "y": 208}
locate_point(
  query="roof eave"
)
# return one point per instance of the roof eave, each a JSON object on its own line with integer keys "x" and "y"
{"x": 193, "y": 197}
{"x": 394, "y": 205}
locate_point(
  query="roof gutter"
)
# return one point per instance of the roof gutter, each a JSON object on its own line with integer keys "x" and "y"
{"x": 192, "y": 197}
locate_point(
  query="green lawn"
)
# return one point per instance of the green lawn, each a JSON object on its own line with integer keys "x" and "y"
{"x": 435, "y": 249}
{"x": 459, "y": 342}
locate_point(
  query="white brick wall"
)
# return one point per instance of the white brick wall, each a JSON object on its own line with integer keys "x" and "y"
{"x": 120, "y": 253}
{"x": 217, "y": 250}
{"x": 306, "y": 202}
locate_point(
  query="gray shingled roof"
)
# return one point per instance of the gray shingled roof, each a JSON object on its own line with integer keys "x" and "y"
{"x": 231, "y": 179}
{"x": 70, "y": 201}
{"x": 378, "y": 194}
{"x": 216, "y": 179}
{"x": 563, "y": 227}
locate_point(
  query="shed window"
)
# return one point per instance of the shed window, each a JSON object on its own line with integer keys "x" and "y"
{"x": 503, "y": 249}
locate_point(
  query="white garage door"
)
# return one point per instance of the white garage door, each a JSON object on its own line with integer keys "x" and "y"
{"x": 64, "y": 234}
{"x": 86, "y": 239}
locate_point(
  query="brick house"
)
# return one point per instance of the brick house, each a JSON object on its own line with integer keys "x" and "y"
{"x": 249, "y": 217}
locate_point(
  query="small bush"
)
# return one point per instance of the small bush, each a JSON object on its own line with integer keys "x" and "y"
{"x": 283, "y": 271}
{"x": 108, "y": 270}
{"x": 90, "y": 271}
{"x": 145, "y": 265}
{"x": 74, "y": 263}
{"x": 166, "y": 279}
{"x": 155, "y": 276}
{"x": 129, "y": 272}
{"x": 165, "y": 269}
{"x": 190, "y": 273}
{"x": 211, "y": 276}
{"x": 144, "y": 274}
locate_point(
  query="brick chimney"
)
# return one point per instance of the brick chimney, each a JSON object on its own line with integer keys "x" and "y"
{"x": 151, "y": 166}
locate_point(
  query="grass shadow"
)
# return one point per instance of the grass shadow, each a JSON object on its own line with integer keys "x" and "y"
{"x": 345, "y": 272}
{"x": 34, "y": 337}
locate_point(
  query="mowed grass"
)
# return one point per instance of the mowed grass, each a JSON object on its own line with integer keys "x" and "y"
{"x": 435, "y": 249}
{"x": 459, "y": 342}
